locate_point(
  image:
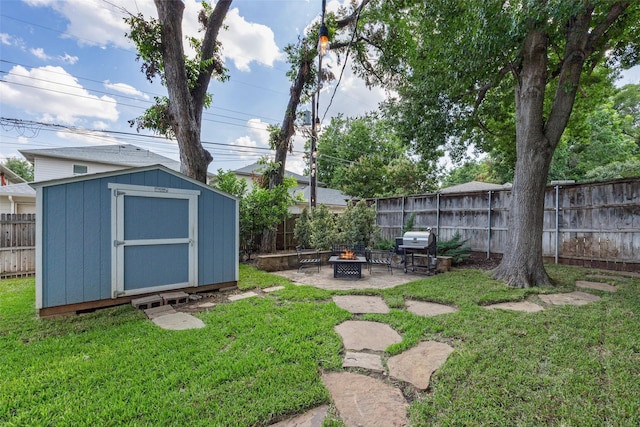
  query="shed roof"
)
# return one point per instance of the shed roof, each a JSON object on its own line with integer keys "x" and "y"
{"x": 87, "y": 177}
{"x": 114, "y": 154}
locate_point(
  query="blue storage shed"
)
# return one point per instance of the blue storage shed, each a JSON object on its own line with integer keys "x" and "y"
{"x": 104, "y": 239}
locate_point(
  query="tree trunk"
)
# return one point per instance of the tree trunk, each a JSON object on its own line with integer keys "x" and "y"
{"x": 522, "y": 264}
{"x": 185, "y": 106}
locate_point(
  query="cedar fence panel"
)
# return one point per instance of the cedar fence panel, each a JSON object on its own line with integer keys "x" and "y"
{"x": 591, "y": 224}
{"x": 17, "y": 245}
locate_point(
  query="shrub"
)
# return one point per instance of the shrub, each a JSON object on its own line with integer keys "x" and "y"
{"x": 454, "y": 248}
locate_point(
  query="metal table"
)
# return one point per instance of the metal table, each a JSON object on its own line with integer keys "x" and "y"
{"x": 347, "y": 268}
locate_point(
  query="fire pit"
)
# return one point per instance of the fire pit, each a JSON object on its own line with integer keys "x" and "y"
{"x": 347, "y": 254}
{"x": 350, "y": 268}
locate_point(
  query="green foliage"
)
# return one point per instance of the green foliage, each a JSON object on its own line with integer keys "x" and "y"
{"x": 323, "y": 227}
{"x": 302, "y": 230}
{"x": 363, "y": 157}
{"x": 357, "y": 224}
{"x": 263, "y": 209}
{"x": 230, "y": 183}
{"x": 22, "y": 168}
{"x": 454, "y": 248}
{"x": 146, "y": 34}
{"x": 409, "y": 224}
{"x": 384, "y": 244}
{"x": 626, "y": 169}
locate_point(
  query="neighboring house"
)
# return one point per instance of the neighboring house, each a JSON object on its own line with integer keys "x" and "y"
{"x": 335, "y": 200}
{"x": 65, "y": 162}
{"x": 16, "y": 197}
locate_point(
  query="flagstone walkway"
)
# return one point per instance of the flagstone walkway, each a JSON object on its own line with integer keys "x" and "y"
{"x": 368, "y": 393}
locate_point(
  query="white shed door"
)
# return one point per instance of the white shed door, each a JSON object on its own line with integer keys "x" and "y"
{"x": 154, "y": 233}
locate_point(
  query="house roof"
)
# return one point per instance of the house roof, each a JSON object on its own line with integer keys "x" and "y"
{"x": 11, "y": 175}
{"x": 254, "y": 169}
{"x": 23, "y": 189}
{"x": 474, "y": 186}
{"x": 115, "y": 154}
{"x": 324, "y": 196}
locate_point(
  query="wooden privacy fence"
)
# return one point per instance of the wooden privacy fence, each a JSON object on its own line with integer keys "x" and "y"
{"x": 591, "y": 224}
{"x": 17, "y": 245}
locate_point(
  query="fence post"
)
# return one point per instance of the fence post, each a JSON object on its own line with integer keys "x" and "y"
{"x": 489, "y": 227}
{"x": 557, "y": 222}
{"x": 438, "y": 214}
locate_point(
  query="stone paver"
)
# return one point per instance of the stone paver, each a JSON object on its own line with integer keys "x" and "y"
{"x": 273, "y": 289}
{"x": 162, "y": 310}
{"x": 358, "y": 304}
{"x": 596, "y": 285}
{"x": 526, "y": 306}
{"x": 364, "y": 335}
{"x": 571, "y": 298}
{"x": 423, "y": 308}
{"x": 607, "y": 277}
{"x": 365, "y": 401}
{"x": 372, "y": 362}
{"x": 417, "y": 364}
{"x": 242, "y": 296}
{"x": 178, "y": 321}
{"x": 312, "y": 418}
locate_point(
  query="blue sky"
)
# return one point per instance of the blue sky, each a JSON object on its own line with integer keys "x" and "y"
{"x": 67, "y": 63}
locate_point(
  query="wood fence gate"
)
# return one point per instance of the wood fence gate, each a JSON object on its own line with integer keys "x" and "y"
{"x": 17, "y": 245}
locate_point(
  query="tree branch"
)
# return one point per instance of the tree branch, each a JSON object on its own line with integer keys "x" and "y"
{"x": 209, "y": 47}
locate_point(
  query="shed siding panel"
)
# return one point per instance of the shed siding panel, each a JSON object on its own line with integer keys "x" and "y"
{"x": 206, "y": 239}
{"x": 54, "y": 265}
{"x": 92, "y": 235}
{"x": 105, "y": 238}
{"x": 156, "y": 265}
{"x": 75, "y": 239}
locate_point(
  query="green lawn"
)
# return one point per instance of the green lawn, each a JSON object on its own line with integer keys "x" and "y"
{"x": 258, "y": 360}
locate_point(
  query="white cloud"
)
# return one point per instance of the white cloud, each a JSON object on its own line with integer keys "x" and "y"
{"x": 99, "y": 23}
{"x": 6, "y": 39}
{"x": 69, "y": 59}
{"x": 39, "y": 53}
{"x": 54, "y": 95}
{"x": 125, "y": 89}
{"x": 245, "y": 42}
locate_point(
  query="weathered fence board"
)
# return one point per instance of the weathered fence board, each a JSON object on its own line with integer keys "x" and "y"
{"x": 594, "y": 224}
{"x": 17, "y": 244}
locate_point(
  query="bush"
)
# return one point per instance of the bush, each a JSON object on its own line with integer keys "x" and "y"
{"x": 302, "y": 230}
{"x": 357, "y": 224}
{"x": 323, "y": 228}
{"x": 454, "y": 248}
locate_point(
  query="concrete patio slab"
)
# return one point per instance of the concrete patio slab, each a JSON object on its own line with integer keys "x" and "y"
{"x": 364, "y": 335}
{"x": 242, "y": 296}
{"x": 525, "y": 306}
{"x": 178, "y": 321}
{"x": 571, "y": 298}
{"x": 596, "y": 285}
{"x": 207, "y": 304}
{"x": 428, "y": 309}
{"x": 359, "y": 304}
{"x": 369, "y": 361}
{"x": 365, "y": 401}
{"x": 312, "y": 418}
{"x": 273, "y": 289}
{"x": 325, "y": 280}
{"x": 417, "y": 364}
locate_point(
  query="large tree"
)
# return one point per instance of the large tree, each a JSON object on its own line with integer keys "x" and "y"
{"x": 365, "y": 158}
{"x": 160, "y": 46}
{"x": 453, "y": 62}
